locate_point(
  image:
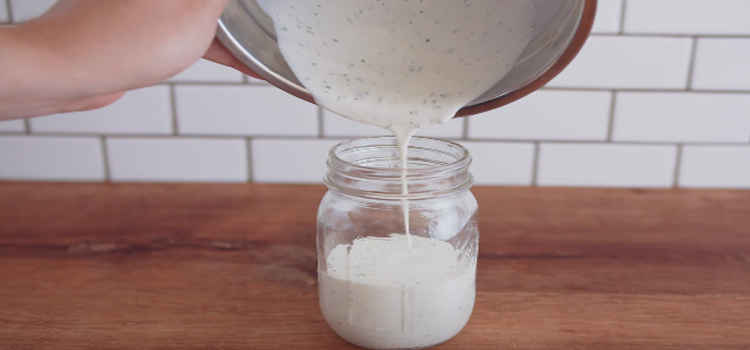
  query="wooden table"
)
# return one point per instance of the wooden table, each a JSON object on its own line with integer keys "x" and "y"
{"x": 103, "y": 266}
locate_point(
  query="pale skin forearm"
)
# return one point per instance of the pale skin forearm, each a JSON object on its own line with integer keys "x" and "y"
{"x": 85, "y": 54}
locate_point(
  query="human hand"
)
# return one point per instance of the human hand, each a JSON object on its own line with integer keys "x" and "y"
{"x": 85, "y": 54}
{"x": 218, "y": 53}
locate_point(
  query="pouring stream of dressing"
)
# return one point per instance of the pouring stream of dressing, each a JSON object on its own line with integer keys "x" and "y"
{"x": 399, "y": 64}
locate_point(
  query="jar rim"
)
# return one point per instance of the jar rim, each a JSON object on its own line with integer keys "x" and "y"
{"x": 459, "y": 164}
{"x": 439, "y": 161}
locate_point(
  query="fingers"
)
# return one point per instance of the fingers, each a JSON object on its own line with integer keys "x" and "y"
{"x": 92, "y": 103}
{"x": 84, "y": 104}
{"x": 57, "y": 107}
{"x": 219, "y": 54}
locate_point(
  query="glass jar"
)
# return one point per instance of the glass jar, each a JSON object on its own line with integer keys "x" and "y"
{"x": 396, "y": 270}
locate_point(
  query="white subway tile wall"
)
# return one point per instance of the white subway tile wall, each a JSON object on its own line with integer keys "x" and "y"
{"x": 658, "y": 97}
{"x": 606, "y": 165}
{"x": 24, "y": 10}
{"x": 172, "y": 159}
{"x": 715, "y": 167}
{"x": 500, "y": 163}
{"x": 14, "y": 126}
{"x": 290, "y": 161}
{"x": 608, "y": 16}
{"x": 243, "y": 110}
{"x": 688, "y": 17}
{"x": 51, "y": 158}
{"x": 144, "y": 111}
{"x": 4, "y": 17}
{"x": 722, "y": 64}
{"x": 624, "y": 62}
{"x": 548, "y": 115}
{"x": 682, "y": 117}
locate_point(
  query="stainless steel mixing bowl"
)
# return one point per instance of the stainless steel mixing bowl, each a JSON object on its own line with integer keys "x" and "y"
{"x": 562, "y": 28}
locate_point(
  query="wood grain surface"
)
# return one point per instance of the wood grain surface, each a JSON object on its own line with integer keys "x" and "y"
{"x": 142, "y": 266}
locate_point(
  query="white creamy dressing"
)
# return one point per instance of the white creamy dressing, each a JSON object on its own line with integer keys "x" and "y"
{"x": 401, "y": 65}
{"x": 378, "y": 293}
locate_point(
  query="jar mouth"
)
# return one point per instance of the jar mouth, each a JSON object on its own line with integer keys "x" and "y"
{"x": 372, "y": 165}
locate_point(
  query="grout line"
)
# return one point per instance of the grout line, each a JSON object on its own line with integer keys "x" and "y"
{"x": 26, "y": 126}
{"x": 249, "y": 149}
{"x": 611, "y": 126}
{"x": 620, "y": 142}
{"x": 164, "y": 136}
{"x": 535, "y": 165}
{"x": 321, "y": 126}
{"x": 173, "y": 106}
{"x": 673, "y": 36}
{"x": 691, "y": 65}
{"x": 343, "y": 137}
{"x": 210, "y": 83}
{"x": 105, "y": 159}
{"x": 465, "y": 133}
{"x": 677, "y": 167}
{"x": 623, "y": 11}
{"x": 9, "y": 8}
{"x": 645, "y": 90}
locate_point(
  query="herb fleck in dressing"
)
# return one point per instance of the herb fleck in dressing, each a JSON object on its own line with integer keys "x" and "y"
{"x": 401, "y": 65}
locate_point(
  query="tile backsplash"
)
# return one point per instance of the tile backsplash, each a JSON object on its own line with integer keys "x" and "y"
{"x": 4, "y": 13}
{"x": 177, "y": 159}
{"x": 658, "y": 97}
{"x": 141, "y": 112}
